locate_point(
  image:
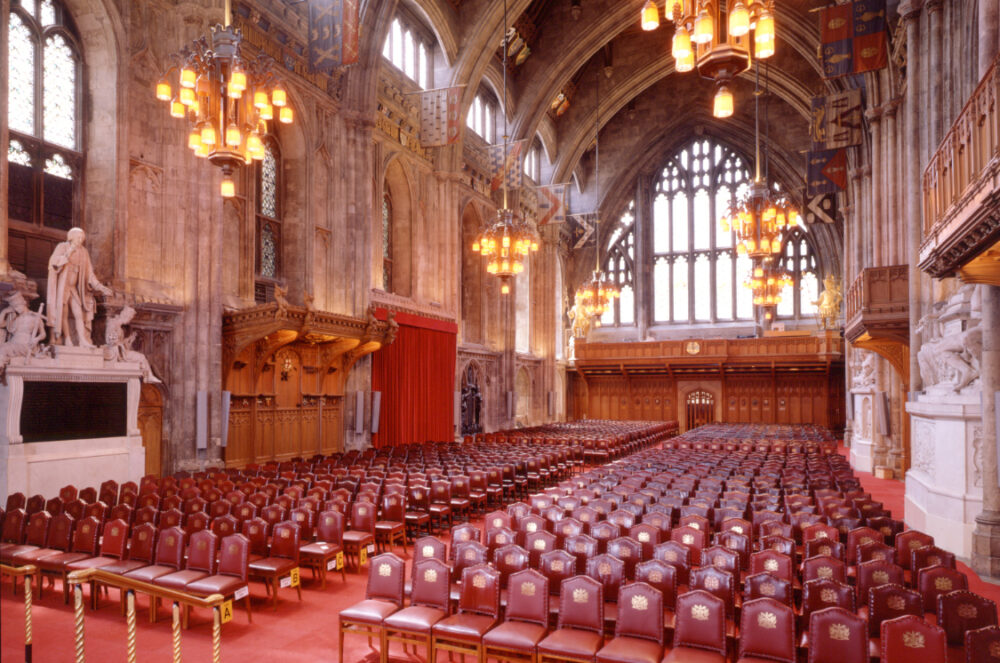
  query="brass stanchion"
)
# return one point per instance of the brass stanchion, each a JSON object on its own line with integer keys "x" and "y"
{"x": 27, "y": 618}
{"x": 177, "y": 633}
{"x": 130, "y": 627}
{"x": 78, "y": 622}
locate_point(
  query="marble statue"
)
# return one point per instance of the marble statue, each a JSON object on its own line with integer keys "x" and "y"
{"x": 864, "y": 374}
{"x": 829, "y": 301}
{"x": 23, "y": 331}
{"x": 952, "y": 341}
{"x": 118, "y": 347}
{"x": 579, "y": 320}
{"x": 70, "y": 297}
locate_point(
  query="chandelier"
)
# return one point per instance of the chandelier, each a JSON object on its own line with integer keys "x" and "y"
{"x": 505, "y": 244}
{"x": 508, "y": 240}
{"x": 759, "y": 221}
{"x": 596, "y": 295}
{"x": 228, "y": 99}
{"x": 715, "y": 36}
{"x": 766, "y": 282}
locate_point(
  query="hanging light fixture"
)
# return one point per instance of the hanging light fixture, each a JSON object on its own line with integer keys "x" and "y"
{"x": 507, "y": 242}
{"x": 227, "y": 98}
{"x": 714, "y": 37}
{"x": 767, "y": 281}
{"x": 596, "y": 296}
{"x": 650, "y": 16}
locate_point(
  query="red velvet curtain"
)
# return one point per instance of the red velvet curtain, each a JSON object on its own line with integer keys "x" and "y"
{"x": 416, "y": 375}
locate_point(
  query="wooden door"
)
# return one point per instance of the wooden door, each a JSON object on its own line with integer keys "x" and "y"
{"x": 151, "y": 427}
{"x": 700, "y": 408}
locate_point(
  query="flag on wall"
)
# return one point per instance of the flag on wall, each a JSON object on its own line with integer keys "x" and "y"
{"x": 853, "y": 38}
{"x": 836, "y": 120}
{"x": 827, "y": 172}
{"x": 821, "y": 209}
{"x": 552, "y": 204}
{"x": 333, "y": 34}
{"x": 509, "y": 168}
{"x": 582, "y": 228}
{"x": 439, "y": 121}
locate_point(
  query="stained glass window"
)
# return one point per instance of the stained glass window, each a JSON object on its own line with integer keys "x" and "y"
{"x": 269, "y": 212}
{"x": 387, "y": 243}
{"x": 45, "y": 156}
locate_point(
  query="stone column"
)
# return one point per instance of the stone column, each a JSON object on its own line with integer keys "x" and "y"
{"x": 643, "y": 254}
{"x": 986, "y": 536}
{"x": 914, "y": 230}
{"x": 877, "y": 198}
{"x": 4, "y": 136}
{"x": 989, "y": 33}
{"x": 935, "y": 73}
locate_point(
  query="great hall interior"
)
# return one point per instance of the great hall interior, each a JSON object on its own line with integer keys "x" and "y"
{"x": 521, "y": 330}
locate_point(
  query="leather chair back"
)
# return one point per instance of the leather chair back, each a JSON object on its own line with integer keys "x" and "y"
{"x": 767, "y": 630}
{"x": 700, "y": 621}
{"x": 581, "y": 604}
{"x": 837, "y": 636}
{"x": 528, "y": 597}
{"x": 640, "y": 612}
{"x": 909, "y": 638}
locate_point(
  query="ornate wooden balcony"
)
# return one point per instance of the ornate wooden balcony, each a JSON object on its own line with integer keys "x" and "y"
{"x": 961, "y": 192}
{"x": 878, "y": 314}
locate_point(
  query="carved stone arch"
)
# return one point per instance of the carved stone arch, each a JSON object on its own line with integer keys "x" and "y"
{"x": 438, "y": 18}
{"x": 523, "y": 388}
{"x": 473, "y": 311}
{"x": 398, "y": 186}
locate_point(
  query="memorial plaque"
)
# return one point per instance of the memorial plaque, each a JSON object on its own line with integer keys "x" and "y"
{"x": 73, "y": 410}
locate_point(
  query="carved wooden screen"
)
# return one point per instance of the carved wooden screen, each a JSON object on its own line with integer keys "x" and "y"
{"x": 700, "y": 408}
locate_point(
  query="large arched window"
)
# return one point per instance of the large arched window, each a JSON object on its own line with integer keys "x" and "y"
{"x": 269, "y": 217}
{"x": 619, "y": 266}
{"x": 409, "y": 49}
{"x": 799, "y": 259}
{"x": 45, "y": 155}
{"x": 696, "y": 272}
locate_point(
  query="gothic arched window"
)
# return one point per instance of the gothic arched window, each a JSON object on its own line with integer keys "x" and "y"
{"x": 269, "y": 200}
{"x": 410, "y": 49}
{"x": 799, "y": 259}
{"x": 619, "y": 266}
{"x": 696, "y": 272}
{"x": 386, "y": 242}
{"x": 45, "y": 154}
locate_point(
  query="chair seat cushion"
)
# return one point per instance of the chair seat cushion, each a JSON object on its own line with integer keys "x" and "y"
{"x": 124, "y": 566}
{"x": 179, "y": 580}
{"x": 35, "y": 555}
{"x": 571, "y": 642}
{"x": 10, "y": 550}
{"x": 519, "y": 636}
{"x": 369, "y": 611}
{"x": 356, "y": 537}
{"x": 692, "y": 655}
{"x": 217, "y": 584}
{"x": 59, "y": 561}
{"x": 387, "y": 525}
{"x": 272, "y": 566}
{"x": 439, "y": 508}
{"x": 150, "y": 573}
{"x": 630, "y": 650}
{"x": 320, "y": 550}
{"x": 464, "y": 627}
{"x": 417, "y": 516}
{"x": 416, "y": 619}
{"x": 92, "y": 563}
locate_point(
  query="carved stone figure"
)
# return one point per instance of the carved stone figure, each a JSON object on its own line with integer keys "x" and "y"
{"x": 393, "y": 328}
{"x": 281, "y": 299}
{"x": 952, "y": 341}
{"x": 829, "y": 301}
{"x": 864, "y": 374}
{"x": 579, "y": 320}
{"x": 118, "y": 346}
{"x": 71, "y": 282}
{"x": 23, "y": 331}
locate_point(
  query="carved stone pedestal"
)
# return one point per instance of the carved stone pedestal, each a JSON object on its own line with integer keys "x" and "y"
{"x": 45, "y": 440}
{"x": 944, "y": 483}
{"x": 862, "y": 429}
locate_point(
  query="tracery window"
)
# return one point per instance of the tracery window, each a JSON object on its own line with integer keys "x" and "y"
{"x": 619, "y": 266}
{"x": 799, "y": 258}
{"x": 45, "y": 153}
{"x": 386, "y": 243}
{"x": 697, "y": 275}
{"x": 532, "y": 163}
{"x": 269, "y": 213}
{"x": 481, "y": 116}
{"x": 409, "y": 50}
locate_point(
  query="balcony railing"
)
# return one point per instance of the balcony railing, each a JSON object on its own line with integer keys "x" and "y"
{"x": 878, "y": 301}
{"x": 958, "y": 181}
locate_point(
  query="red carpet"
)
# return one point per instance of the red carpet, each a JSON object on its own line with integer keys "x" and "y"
{"x": 305, "y": 631}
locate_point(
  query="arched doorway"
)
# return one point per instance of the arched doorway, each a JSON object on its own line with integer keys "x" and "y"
{"x": 522, "y": 385}
{"x": 472, "y": 402}
{"x": 700, "y": 408}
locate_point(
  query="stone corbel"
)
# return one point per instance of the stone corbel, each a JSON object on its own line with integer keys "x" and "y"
{"x": 892, "y": 350}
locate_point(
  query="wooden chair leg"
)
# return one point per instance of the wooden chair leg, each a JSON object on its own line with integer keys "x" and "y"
{"x": 274, "y": 596}
{"x": 246, "y": 600}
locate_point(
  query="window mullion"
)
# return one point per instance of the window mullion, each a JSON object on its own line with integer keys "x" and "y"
{"x": 690, "y": 255}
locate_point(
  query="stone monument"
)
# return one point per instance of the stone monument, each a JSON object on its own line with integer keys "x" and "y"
{"x": 863, "y": 395}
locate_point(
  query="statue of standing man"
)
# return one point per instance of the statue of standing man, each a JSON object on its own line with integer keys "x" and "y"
{"x": 71, "y": 280}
